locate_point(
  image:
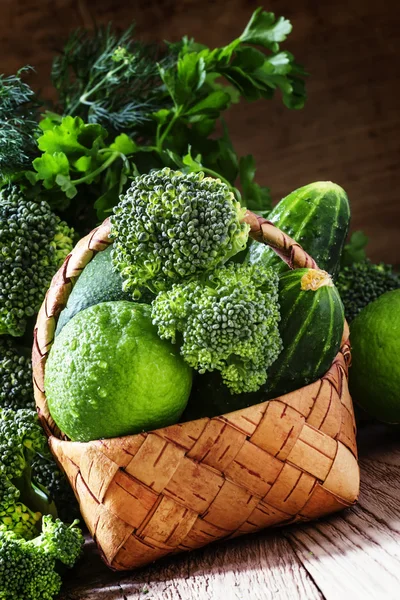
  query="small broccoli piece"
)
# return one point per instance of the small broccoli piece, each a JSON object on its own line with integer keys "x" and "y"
{"x": 60, "y": 541}
{"x": 33, "y": 243}
{"x": 21, "y": 439}
{"x": 16, "y": 388}
{"x": 32, "y": 544}
{"x": 171, "y": 226}
{"x": 14, "y": 515}
{"x": 29, "y": 569}
{"x": 362, "y": 283}
{"x": 48, "y": 475}
{"x": 229, "y": 323}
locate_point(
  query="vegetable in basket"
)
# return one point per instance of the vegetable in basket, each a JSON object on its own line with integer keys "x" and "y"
{"x": 226, "y": 322}
{"x": 171, "y": 227}
{"x": 97, "y": 283}
{"x": 108, "y": 374}
{"x": 317, "y": 216}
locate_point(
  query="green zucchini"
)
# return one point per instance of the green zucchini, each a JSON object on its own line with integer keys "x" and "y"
{"x": 311, "y": 327}
{"x": 317, "y": 216}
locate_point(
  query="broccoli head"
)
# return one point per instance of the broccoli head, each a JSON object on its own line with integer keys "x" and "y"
{"x": 33, "y": 243}
{"x": 29, "y": 569}
{"x": 21, "y": 437}
{"x": 171, "y": 226}
{"x": 16, "y": 389}
{"x": 228, "y": 322}
{"x": 362, "y": 283}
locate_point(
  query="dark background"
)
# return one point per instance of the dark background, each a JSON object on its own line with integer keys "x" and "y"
{"x": 349, "y": 131}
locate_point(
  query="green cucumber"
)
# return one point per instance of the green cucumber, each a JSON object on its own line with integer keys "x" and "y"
{"x": 97, "y": 283}
{"x": 317, "y": 216}
{"x": 311, "y": 327}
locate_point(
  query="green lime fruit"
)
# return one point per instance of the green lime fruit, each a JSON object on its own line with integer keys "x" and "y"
{"x": 108, "y": 374}
{"x": 375, "y": 372}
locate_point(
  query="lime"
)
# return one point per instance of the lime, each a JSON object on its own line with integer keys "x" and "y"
{"x": 375, "y": 371}
{"x": 109, "y": 374}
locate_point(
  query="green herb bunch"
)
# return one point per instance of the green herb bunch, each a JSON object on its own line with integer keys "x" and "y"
{"x": 128, "y": 107}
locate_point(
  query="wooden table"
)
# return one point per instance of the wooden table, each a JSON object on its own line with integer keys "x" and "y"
{"x": 353, "y": 555}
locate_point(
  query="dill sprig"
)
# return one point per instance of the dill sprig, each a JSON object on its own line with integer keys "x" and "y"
{"x": 110, "y": 79}
{"x": 18, "y": 124}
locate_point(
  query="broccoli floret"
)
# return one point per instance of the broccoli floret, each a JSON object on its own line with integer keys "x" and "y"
{"x": 16, "y": 388}
{"x": 14, "y": 515}
{"x": 48, "y": 475}
{"x": 21, "y": 439}
{"x": 228, "y": 321}
{"x": 171, "y": 226}
{"x": 29, "y": 568}
{"x": 33, "y": 243}
{"x": 32, "y": 544}
{"x": 362, "y": 283}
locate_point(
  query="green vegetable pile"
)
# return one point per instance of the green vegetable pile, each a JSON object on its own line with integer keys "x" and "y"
{"x": 34, "y": 543}
{"x": 123, "y": 109}
{"x": 184, "y": 294}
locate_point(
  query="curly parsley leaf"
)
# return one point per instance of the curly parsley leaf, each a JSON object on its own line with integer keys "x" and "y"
{"x": 160, "y": 107}
{"x": 266, "y": 31}
{"x": 75, "y": 152}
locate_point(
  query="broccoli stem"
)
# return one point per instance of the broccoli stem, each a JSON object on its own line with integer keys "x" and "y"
{"x": 33, "y": 495}
{"x": 161, "y": 139}
{"x": 99, "y": 170}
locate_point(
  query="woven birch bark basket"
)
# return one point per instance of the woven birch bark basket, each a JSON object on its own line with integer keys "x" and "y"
{"x": 144, "y": 496}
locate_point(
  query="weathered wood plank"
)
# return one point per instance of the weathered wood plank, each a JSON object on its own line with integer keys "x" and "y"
{"x": 261, "y": 567}
{"x": 354, "y": 556}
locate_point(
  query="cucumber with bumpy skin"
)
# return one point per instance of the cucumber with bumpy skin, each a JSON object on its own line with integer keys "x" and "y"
{"x": 317, "y": 216}
{"x": 311, "y": 327}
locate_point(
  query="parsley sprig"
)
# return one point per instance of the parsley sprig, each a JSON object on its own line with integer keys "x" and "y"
{"x": 126, "y": 107}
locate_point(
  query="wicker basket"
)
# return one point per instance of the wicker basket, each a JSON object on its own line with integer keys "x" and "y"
{"x": 148, "y": 495}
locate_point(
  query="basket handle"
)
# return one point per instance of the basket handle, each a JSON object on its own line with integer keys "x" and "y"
{"x": 265, "y": 232}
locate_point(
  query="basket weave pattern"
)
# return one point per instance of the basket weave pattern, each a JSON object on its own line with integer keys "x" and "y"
{"x": 148, "y": 495}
